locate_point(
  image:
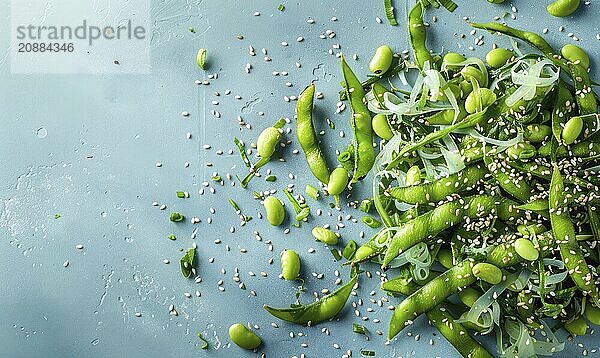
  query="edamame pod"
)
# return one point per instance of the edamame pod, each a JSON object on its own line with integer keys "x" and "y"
{"x": 360, "y": 121}
{"x": 564, "y": 234}
{"x": 305, "y": 132}
{"x": 440, "y": 189}
{"x": 326, "y": 308}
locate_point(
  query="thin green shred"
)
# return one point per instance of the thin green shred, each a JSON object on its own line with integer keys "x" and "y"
{"x": 204, "y": 341}
{"x": 389, "y": 12}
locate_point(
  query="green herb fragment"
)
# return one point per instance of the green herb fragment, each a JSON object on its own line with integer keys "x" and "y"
{"x": 191, "y": 29}
{"x": 176, "y": 217}
{"x": 201, "y": 59}
{"x": 371, "y": 222}
{"x": 235, "y": 206}
{"x": 301, "y": 209}
{"x": 172, "y": 237}
{"x": 366, "y": 205}
{"x": 188, "y": 263}
{"x": 281, "y": 7}
{"x": 367, "y": 353}
{"x": 57, "y": 216}
{"x": 242, "y": 150}
{"x": 332, "y": 205}
{"x": 312, "y": 192}
{"x": 271, "y": 178}
{"x": 389, "y": 12}
{"x": 180, "y": 194}
{"x": 449, "y": 5}
{"x": 336, "y": 254}
{"x": 204, "y": 341}
{"x": 216, "y": 178}
{"x": 359, "y": 328}
{"x": 350, "y": 250}
{"x": 258, "y": 195}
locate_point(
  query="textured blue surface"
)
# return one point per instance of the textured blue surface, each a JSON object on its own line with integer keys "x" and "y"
{"x": 96, "y": 167}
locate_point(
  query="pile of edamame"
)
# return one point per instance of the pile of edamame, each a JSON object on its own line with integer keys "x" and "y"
{"x": 486, "y": 185}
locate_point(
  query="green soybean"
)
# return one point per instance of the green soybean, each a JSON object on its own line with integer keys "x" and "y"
{"x": 488, "y": 273}
{"x": 382, "y": 60}
{"x": 574, "y": 53}
{"x": 521, "y": 151}
{"x": 468, "y": 296}
{"x": 290, "y": 264}
{"x": 572, "y": 130}
{"x": 479, "y": 100}
{"x": 592, "y": 313}
{"x": 470, "y": 72}
{"x": 526, "y": 249}
{"x": 305, "y": 132}
{"x": 244, "y": 337}
{"x": 275, "y": 210}
{"x": 326, "y": 236}
{"x": 577, "y": 327}
{"x": 413, "y": 176}
{"x": 498, "y": 57}
{"x": 453, "y": 58}
{"x": 337, "y": 181}
{"x": 267, "y": 141}
{"x": 381, "y": 127}
{"x": 444, "y": 256}
{"x": 537, "y": 133}
{"x": 562, "y": 8}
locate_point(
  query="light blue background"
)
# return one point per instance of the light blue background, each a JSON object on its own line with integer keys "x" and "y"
{"x": 96, "y": 167}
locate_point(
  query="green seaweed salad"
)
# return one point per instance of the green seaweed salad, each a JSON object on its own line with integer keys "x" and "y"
{"x": 485, "y": 184}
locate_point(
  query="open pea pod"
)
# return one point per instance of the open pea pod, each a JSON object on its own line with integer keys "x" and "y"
{"x": 319, "y": 311}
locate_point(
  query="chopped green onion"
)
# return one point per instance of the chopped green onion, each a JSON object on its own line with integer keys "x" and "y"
{"x": 176, "y": 217}
{"x": 281, "y": 7}
{"x": 180, "y": 194}
{"x": 359, "y": 328}
{"x": 188, "y": 262}
{"x": 172, "y": 237}
{"x": 57, "y": 216}
{"x": 389, "y": 12}
{"x": 312, "y": 191}
{"x": 216, "y": 178}
{"x": 371, "y": 222}
{"x": 350, "y": 250}
{"x": 366, "y": 205}
{"x": 448, "y": 4}
{"x": 235, "y": 206}
{"x": 242, "y": 150}
{"x": 271, "y": 178}
{"x": 191, "y": 29}
{"x": 367, "y": 353}
{"x": 258, "y": 195}
{"x": 336, "y": 254}
{"x": 201, "y": 59}
{"x": 204, "y": 341}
